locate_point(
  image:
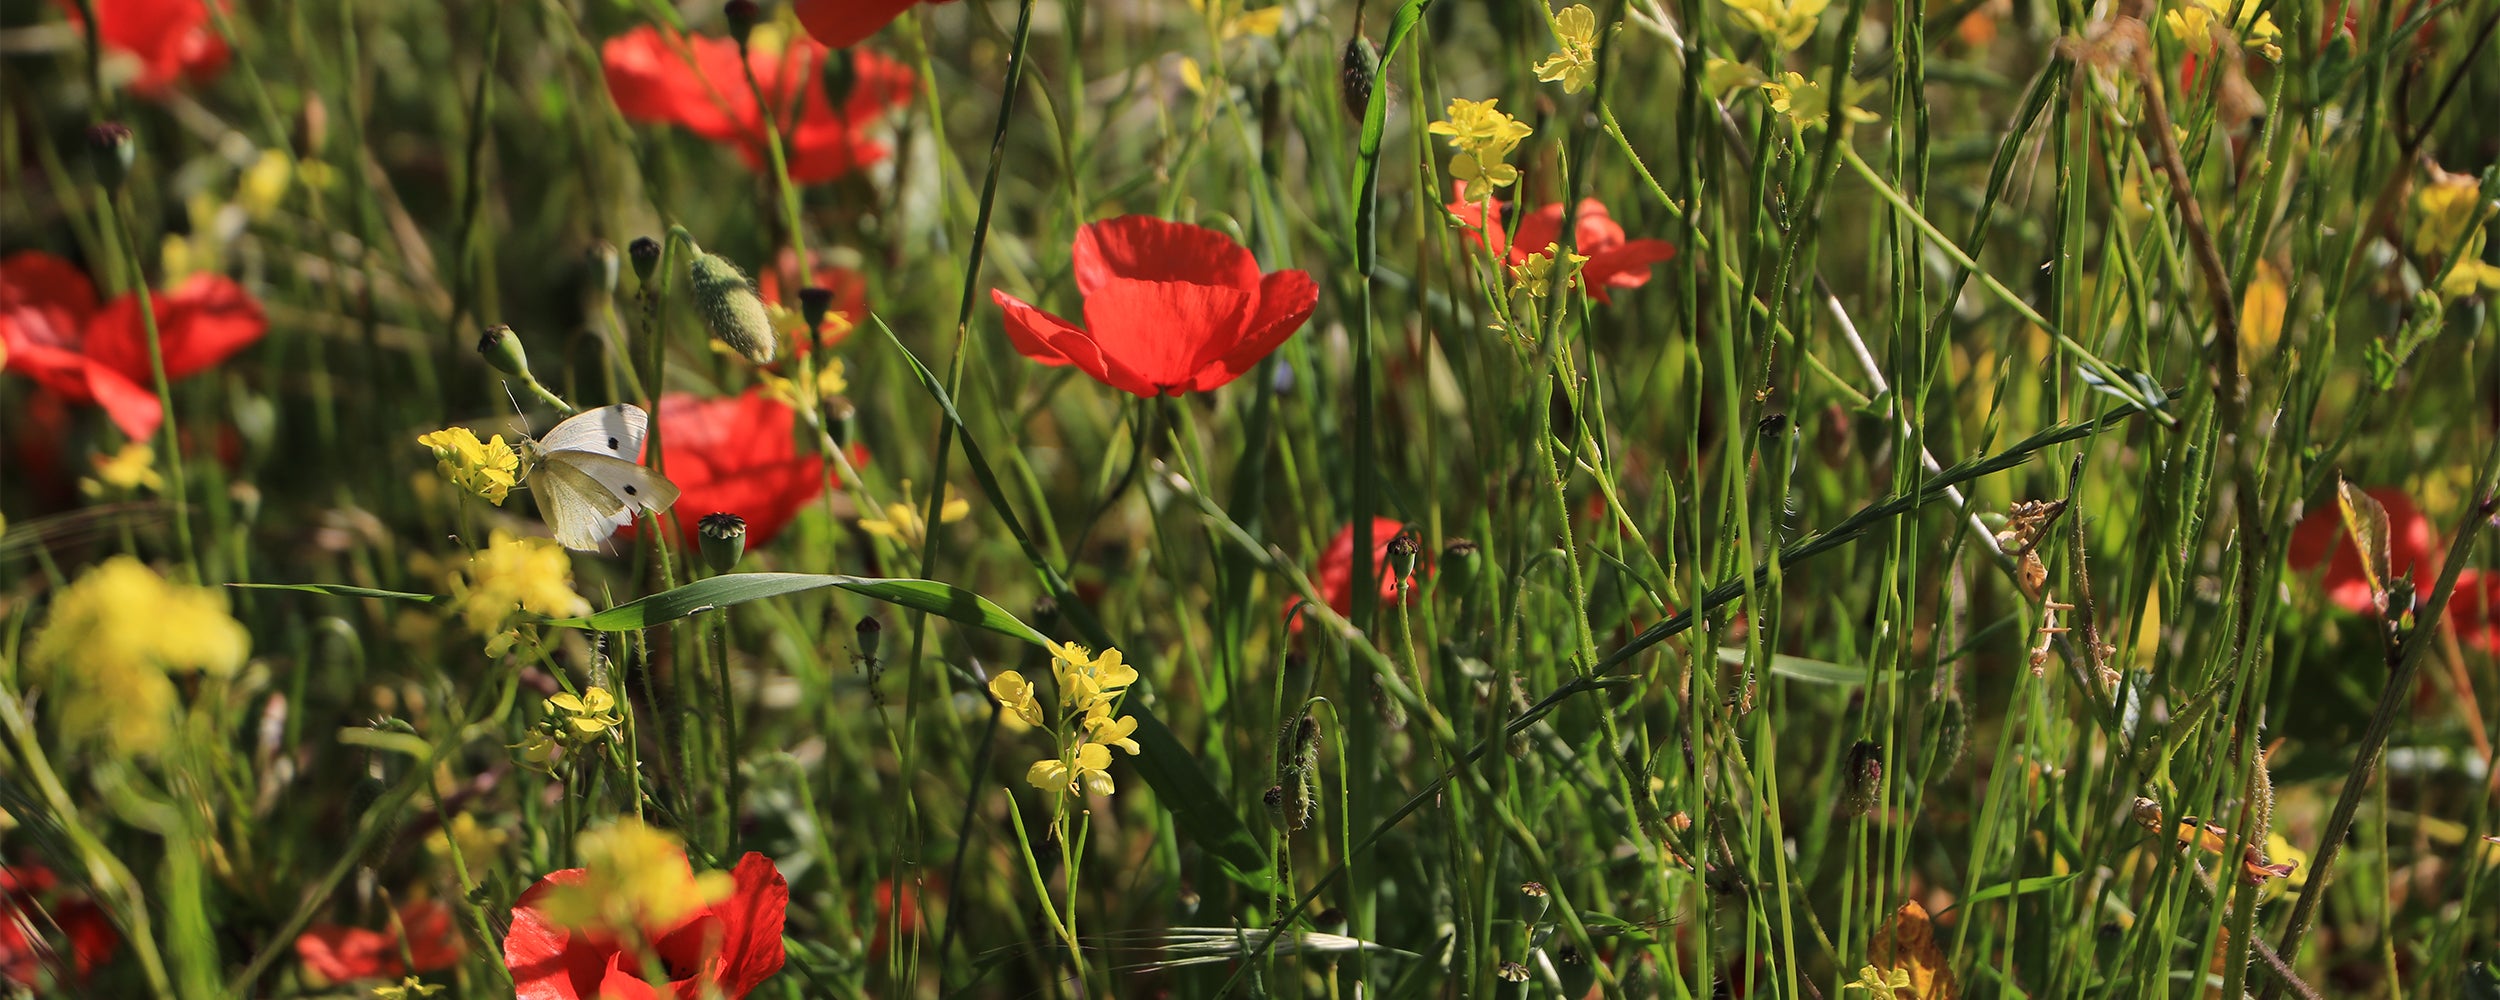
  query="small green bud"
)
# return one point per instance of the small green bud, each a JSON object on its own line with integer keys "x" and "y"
{"x": 871, "y": 631}
{"x": 645, "y": 253}
{"x": 723, "y": 539}
{"x": 111, "y": 151}
{"x": 502, "y": 349}
{"x": 1460, "y": 561}
{"x": 602, "y": 260}
{"x": 1357, "y": 66}
{"x": 731, "y": 307}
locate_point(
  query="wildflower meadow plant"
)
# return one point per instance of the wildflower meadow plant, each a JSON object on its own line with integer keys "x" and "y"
{"x": 1781, "y": 499}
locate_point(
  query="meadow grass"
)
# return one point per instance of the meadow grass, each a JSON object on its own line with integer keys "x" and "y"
{"x": 2023, "y": 541}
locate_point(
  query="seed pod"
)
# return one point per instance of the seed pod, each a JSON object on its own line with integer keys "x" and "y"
{"x": 1862, "y": 780}
{"x": 645, "y": 253}
{"x": 742, "y": 16}
{"x": 502, "y": 349}
{"x": 1460, "y": 559}
{"x": 723, "y": 540}
{"x": 1949, "y": 727}
{"x": 731, "y": 307}
{"x": 815, "y": 303}
{"x": 602, "y": 260}
{"x": 870, "y": 632}
{"x": 840, "y": 76}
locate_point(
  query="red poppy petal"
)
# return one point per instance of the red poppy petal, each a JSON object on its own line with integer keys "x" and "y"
{"x": 2320, "y": 538}
{"x": 549, "y": 962}
{"x": 1537, "y": 232}
{"x": 694, "y": 82}
{"x": 738, "y": 455}
{"x": 1286, "y": 299}
{"x": 347, "y": 954}
{"x": 1165, "y": 331}
{"x": 1595, "y": 231}
{"x": 844, "y": 23}
{"x": 1625, "y": 266}
{"x": 2474, "y": 606}
{"x": 878, "y": 83}
{"x": 203, "y": 321}
{"x": 44, "y": 300}
{"x": 62, "y": 372}
{"x": 751, "y": 922}
{"x": 617, "y": 982}
{"x": 134, "y": 408}
{"x": 1145, "y": 248}
{"x": 1032, "y": 330}
{"x": 171, "y": 39}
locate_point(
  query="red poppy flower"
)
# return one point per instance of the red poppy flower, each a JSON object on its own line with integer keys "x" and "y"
{"x": 172, "y": 40}
{"x": 730, "y": 947}
{"x": 845, "y": 23}
{"x": 738, "y": 455}
{"x": 2320, "y": 538}
{"x": 57, "y": 335}
{"x": 1613, "y": 261}
{"x": 699, "y": 83}
{"x": 2474, "y": 607}
{"x": 1169, "y": 308}
{"x": 32, "y": 908}
{"x": 1336, "y": 569}
{"x": 849, "y": 288}
{"x": 347, "y": 954}
{"x": 887, "y": 900}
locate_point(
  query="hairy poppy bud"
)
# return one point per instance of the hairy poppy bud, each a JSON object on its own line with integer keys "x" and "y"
{"x": 871, "y": 631}
{"x": 742, "y": 16}
{"x": 502, "y": 349}
{"x": 731, "y": 307}
{"x": 1356, "y": 68}
{"x": 111, "y": 152}
{"x": 723, "y": 540}
{"x": 645, "y": 252}
{"x": 841, "y": 76}
{"x": 1862, "y": 780}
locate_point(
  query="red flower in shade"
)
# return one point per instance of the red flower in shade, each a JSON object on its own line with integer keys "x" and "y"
{"x": 2474, "y": 607}
{"x": 1613, "y": 261}
{"x": 1169, "y": 308}
{"x": 740, "y": 456}
{"x": 347, "y": 954}
{"x": 850, "y": 296}
{"x": 57, "y": 335}
{"x": 1336, "y": 569}
{"x": 845, "y": 23}
{"x": 887, "y": 901}
{"x": 731, "y": 946}
{"x": 699, "y": 83}
{"x": 32, "y": 910}
{"x": 172, "y": 40}
{"x": 2320, "y": 538}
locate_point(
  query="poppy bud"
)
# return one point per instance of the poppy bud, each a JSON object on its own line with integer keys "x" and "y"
{"x": 602, "y": 257}
{"x": 1356, "y": 69}
{"x": 841, "y": 76}
{"x": 870, "y": 632}
{"x": 645, "y": 252}
{"x": 1863, "y": 780}
{"x": 1459, "y": 561}
{"x": 502, "y": 349}
{"x": 731, "y": 307}
{"x": 111, "y": 152}
{"x": 723, "y": 540}
{"x": 815, "y": 303}
{"x": 742, "y": 15}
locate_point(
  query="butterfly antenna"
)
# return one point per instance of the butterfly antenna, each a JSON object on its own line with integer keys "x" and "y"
{"x": 516, "y": 408}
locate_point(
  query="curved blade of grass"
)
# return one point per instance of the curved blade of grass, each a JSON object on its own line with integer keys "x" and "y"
{"x": 943, "y": 600}
{"x": 339, "y": 590}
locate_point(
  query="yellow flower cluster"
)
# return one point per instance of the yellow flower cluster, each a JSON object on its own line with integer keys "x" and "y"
{"x": 114, "y": 635}
{"x": 1574, "y": 62}
{"x": 1784, "y": 23}
{"x": 486, "y": 468}
{"x": 2193, "y": 24}
{"x": 831, "y": 381}
{"x": 1802, "y": 101}
{"x": 903, "y": 522}
{"x": 525, "y": 574}
{"x": 2449, "y": 209}
{"x": 479, "y": 845}
{"x": 1537, "y": 275}
{"x": 634, "y": 877}
{"x": 128, "y": 471}
{"x": 1483, "y": 137}
{"x": 1088, "y": 686}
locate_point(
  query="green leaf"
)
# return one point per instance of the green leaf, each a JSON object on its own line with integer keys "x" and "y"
{"x": 952, "y": 603}
{"x": 2018, "y": 887}
{"x": 1201, "y": 812}
{"x": 337, "y": 590}
{"x": 1798, "y": 668}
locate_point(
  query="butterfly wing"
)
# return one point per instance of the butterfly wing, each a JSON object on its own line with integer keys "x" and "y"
{"x": 580, "y": 510}
{"x": 616, "y": 430}
{"x": 631, "y": 484}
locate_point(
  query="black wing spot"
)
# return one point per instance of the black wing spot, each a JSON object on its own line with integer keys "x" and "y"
{"x": 630, "y": 491}
{"x": 611, "y": 444}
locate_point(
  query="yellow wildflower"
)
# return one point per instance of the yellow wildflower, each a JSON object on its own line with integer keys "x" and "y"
{"x": 1101, "y": 728}
{"x": 1787, "y": 24}
{"x": 265, "y": 183}
{"x": 486, "y": 468}
{"x": 2262, "y": 305}
{"x": 130, "y": 470}
{"x": 536, "y": 751}
{"x": 1086, "y": 770}
{"x": 1574, "y": 62}
{"x": 114, "y": 635}
{"x": 1537, "y": 275}
{"x": 1721, "y": 77}
{"x": 409, "y": 986}
{"x": 2193, "y": 24}
{"x": 1484, "y": 138}
{"x": 903, "y": 522}
{"x": 588, "y": 715}
{"x": 1802, "y": 101}
{"x": 527, "y": 574}
{"x": 634, "y": 877}
{"x": 2444, "y": 210}
{"x": 479, "y": 844}
{"x": 1232, "y": 24}
{"x": 1016, "y": 693}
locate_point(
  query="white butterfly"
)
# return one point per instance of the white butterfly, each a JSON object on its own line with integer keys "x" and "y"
{"x": 586, "y": 476}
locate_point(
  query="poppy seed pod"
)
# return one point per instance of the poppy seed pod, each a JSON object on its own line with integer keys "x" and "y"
{"x": 731, "y": 307}
{"x": 723, "y": 539}
{"x": 111, "y": 152}
{"x": 1356, "y": 70}
{"x": 1863, "y": 781}
{"x": 502, "y": 349}
{"x": 871, "y": 632}
{"x": 645, "y": 252}
{"x": 815, "y": 302}
{"x": 1459, "y": 563}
